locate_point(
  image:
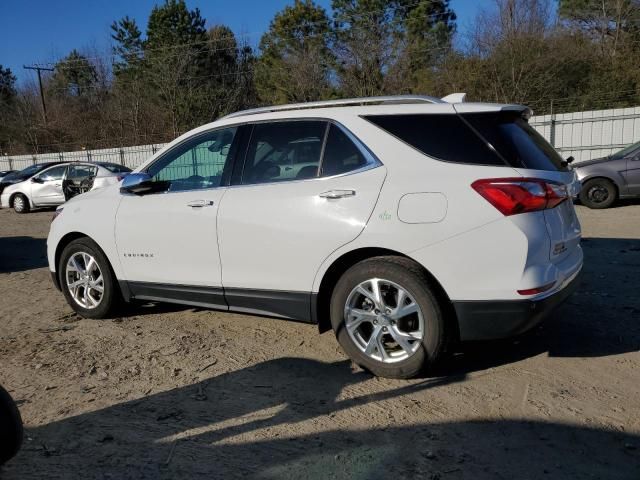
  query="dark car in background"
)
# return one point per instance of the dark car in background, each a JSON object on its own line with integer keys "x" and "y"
{"x": 605, "y": 180}
{"x": 4, "y": 173}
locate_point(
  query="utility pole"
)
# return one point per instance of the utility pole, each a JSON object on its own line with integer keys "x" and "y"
{"x": 39, "y": 69}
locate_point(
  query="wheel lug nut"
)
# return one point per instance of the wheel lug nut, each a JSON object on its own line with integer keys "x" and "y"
{"x": 376, "y": 311}
{"x": 375, "y": 322}
{"x": 384, "y": 329}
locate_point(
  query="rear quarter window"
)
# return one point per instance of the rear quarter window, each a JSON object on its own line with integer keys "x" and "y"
{"x": 441, "y": 136}
{"x": 516, "y": 141}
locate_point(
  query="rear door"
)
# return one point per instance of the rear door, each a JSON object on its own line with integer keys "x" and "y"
{"x": 79, "y": 179}
{"x": 46, "y": 187}
{"x": 275, "y": 229}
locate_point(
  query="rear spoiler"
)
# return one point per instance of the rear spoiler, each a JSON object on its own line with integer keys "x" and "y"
{"x": 454, "y": 98}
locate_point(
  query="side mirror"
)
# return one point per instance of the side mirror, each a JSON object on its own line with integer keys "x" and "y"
{"x": 141, "y": 183}
{"x": 36, "y": 180}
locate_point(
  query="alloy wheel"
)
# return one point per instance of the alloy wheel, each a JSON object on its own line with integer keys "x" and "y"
{"x": 84, "y": 280}
{"x": 384, "y": 320}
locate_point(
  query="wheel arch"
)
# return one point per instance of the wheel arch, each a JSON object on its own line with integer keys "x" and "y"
{"x": 15, "y": 194}
{"x": 596, "y": 176}
{"x": 70, "y": 237}
{"x": 321, "y": 301}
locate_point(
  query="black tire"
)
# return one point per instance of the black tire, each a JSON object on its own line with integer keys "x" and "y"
{"x": 598, "y": 193}
{"x": 111, "y": 299}
{"x": 411, "y": 278}
{"x": 22, "y": 204}
{"x": 11, "y": 430}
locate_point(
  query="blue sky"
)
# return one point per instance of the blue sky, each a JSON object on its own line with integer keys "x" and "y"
{"x": 36, "y": 31}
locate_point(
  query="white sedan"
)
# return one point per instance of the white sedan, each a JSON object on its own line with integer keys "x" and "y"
{"x": 55, "y": 185}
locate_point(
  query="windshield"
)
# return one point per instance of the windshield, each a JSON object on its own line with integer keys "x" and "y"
{"x": 627, "y": 150}
{"x": 28, "y": 172}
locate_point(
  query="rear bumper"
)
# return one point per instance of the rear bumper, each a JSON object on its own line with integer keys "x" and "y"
{"x": 492, "y": 320}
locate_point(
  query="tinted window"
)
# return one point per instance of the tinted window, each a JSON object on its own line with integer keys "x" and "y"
{"x": 55, "y": 173}
{"x": 196, "y": 164}
{"x": 445, "y": 137}
{"x": 283, "y": 151}
{"x": 115, "y": 168}
{"x": 518, "y": 142}
{"x": 341, "y": 155}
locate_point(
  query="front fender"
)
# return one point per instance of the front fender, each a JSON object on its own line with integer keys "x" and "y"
{"x": 597, "y": 171}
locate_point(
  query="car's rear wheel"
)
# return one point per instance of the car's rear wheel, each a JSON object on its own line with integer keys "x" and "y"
{"x": 11, "y": 430}
{"x": 387, "y": 318}
{"x": 598, "y": 193}
{"x": 87, "y": 281}
{"x": 21, "y": 204}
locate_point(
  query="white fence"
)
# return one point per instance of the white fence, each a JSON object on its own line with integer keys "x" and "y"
{"x": 583, "y": 135}
{"x": 593, "y": 134}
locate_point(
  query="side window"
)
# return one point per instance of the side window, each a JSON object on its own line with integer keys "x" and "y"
{"x": 341, "y": 155}
{"x": 282, "y": 151}
{"x": 445, "y": 137}
{"x": 196, "y": 164}
{"x": 55, "y": 173}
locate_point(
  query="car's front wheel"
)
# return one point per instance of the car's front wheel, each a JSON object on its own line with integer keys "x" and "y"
{"x": 387, "y": 318}
{"x": 87, "y": 281}
{"x": 21, "y": 204}
{"x": 598, "y": 193}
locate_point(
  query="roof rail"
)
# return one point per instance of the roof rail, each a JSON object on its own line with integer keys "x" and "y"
{"x": 386, "y": 100}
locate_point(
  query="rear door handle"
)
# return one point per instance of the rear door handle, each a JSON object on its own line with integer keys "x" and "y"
{"x": 200, "y": 203}
{"x": 338, "y": 194}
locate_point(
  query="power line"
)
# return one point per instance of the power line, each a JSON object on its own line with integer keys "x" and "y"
{"x": 39, "y": 69}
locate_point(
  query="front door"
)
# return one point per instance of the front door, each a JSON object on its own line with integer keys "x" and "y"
{"x": 79, "y": 179}
{"x": 276, "y": 228}
{"x": 167, "y": 241}
{"x": 46, "y": 187}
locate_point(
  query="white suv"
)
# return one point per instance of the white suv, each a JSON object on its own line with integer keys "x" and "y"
{"x": 403, "y": 223}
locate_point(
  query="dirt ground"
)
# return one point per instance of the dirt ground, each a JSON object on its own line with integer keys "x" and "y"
{"x": 173, "y": 392}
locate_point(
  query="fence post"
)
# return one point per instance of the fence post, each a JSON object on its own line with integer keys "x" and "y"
{"x": 61, "y": 156}
{"x": 552, "y": 128}
{"x": 10, "y": 164}
{"x": 35, "y": 159}
{"x": 121, "y": 157}
{"x": 153, "y": 149}
{"x": 88, "y": 155}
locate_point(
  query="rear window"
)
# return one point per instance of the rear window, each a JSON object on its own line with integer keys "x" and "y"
{"x": 517, "y": 141}
{"x": 445, "y": 137}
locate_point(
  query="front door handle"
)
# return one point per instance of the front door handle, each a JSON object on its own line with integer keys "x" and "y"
{"x": 333, "y": 194}
{"x": 200, "y": 203}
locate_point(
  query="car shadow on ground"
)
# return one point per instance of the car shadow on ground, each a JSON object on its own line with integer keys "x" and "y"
{"x": 600, "y": 319}
{"x": 18, "y": 254}
{"x": 255, "y": 422}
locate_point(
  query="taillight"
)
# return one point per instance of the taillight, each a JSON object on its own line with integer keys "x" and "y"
{"x": 520, "y": 195}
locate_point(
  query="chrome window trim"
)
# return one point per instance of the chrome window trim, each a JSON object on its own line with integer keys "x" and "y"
{"x": 371, "y": 158}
